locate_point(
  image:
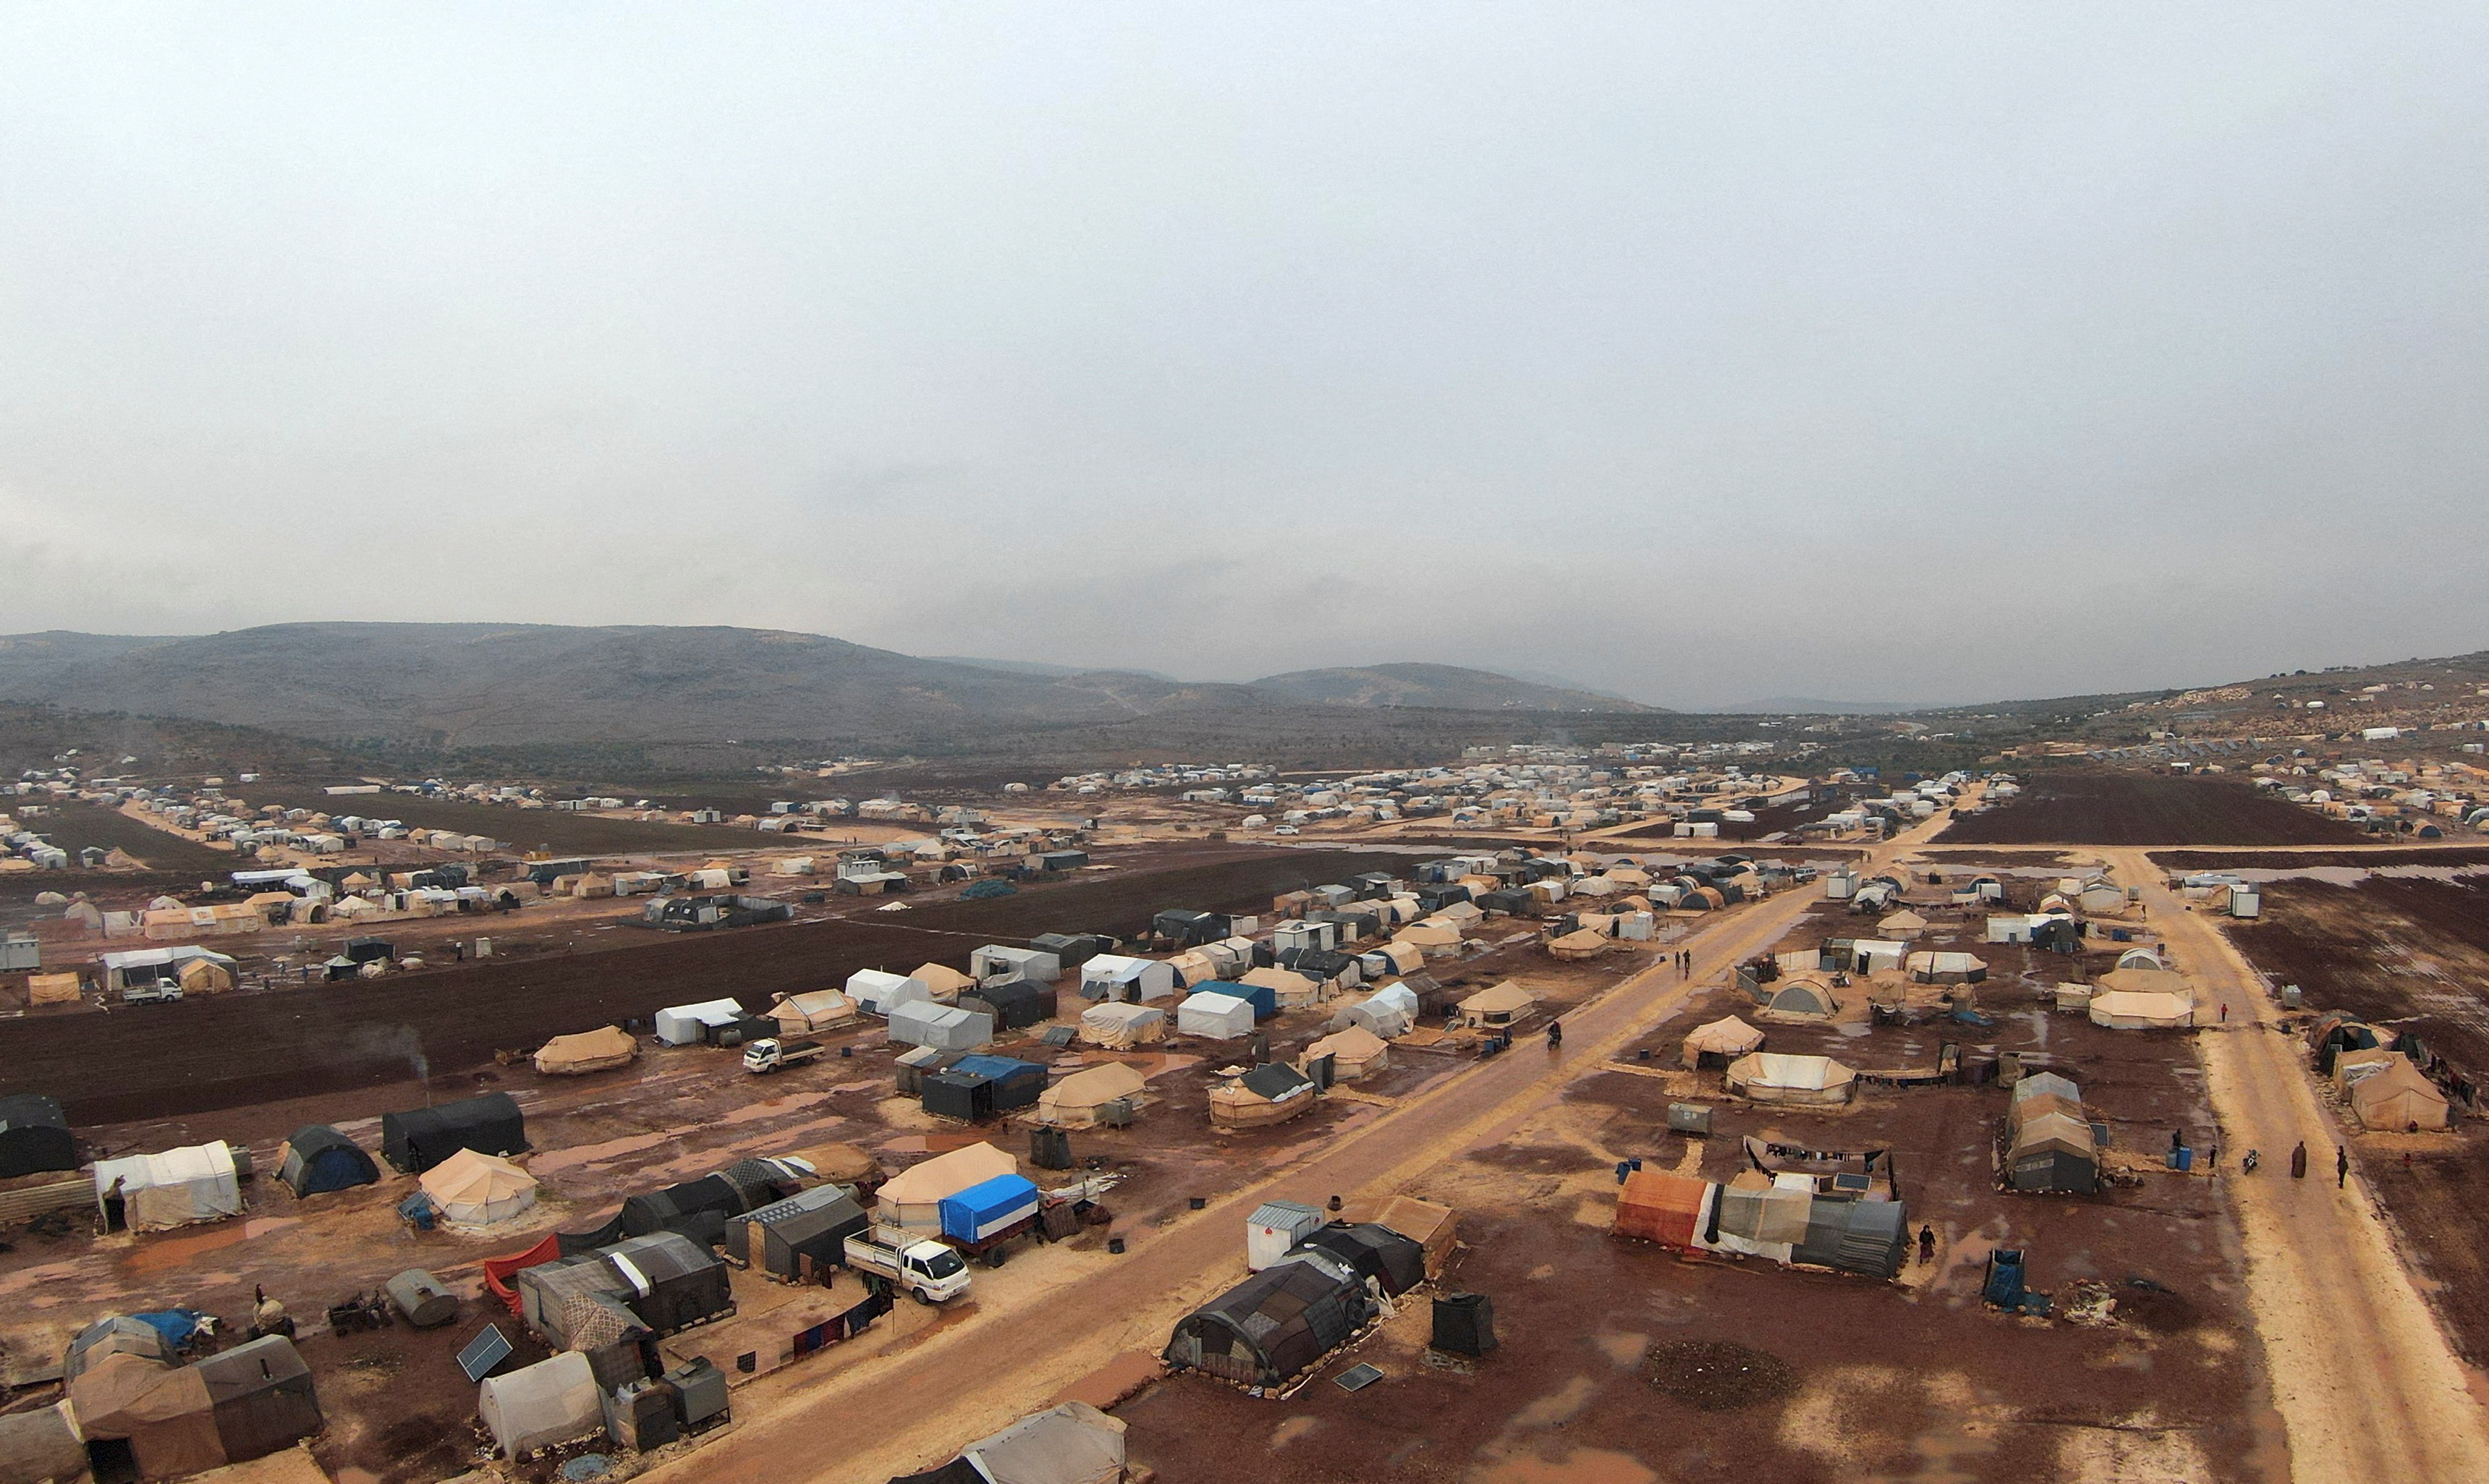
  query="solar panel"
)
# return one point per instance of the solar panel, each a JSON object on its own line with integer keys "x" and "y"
{"x": 484, "y": 1351}
{"x": 1356, "y": 1377}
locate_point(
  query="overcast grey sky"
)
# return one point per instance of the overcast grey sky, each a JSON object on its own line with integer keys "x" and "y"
{"x": 1917, "y": 352}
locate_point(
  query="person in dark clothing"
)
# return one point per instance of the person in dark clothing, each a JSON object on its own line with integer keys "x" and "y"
{"x": 2341, "y": 1167}
{"x": 2299, "y": 1161}
{"x": 1927, "y": 1243}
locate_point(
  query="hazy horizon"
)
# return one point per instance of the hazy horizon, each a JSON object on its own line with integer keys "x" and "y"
{"x": 1702, "y": 357}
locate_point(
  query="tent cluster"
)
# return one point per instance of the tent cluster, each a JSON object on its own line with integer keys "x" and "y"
{"x": 2142, "y": 1000}
{"x": 1782, "y": 1216}
{"x": 2379, "y": 1074}
{"x": 139, "y": 1407}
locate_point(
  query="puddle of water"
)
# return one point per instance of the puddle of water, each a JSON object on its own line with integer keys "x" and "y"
{"x": 1579, "y": 1465}
{"x": 31, "y": 1276}
{"x": 176, "y": 1251}
{"x": 771, "y": 1108}
{"x": 542, "y": 1166}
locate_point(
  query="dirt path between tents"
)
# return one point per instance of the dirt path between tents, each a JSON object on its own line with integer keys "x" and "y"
{"x": 978, "y": 1374}
{"x": 2366, "y": 1383}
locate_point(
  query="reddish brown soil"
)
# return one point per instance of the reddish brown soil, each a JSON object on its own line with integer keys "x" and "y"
{"x": 2302, "y": 860}
{"x": 241, "y": 1049}
{"x": 2414, "y": 954}
{"x": 2145, "y": 809}
{"x": 75, "y": 826}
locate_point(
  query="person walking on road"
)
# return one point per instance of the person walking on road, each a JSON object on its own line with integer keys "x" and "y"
{"x": 2341, "y": 1167}
{"x": 2225, "y": 1011}
{"x": 1927, "y": 1243}
{"x": 2299, "y": 1162}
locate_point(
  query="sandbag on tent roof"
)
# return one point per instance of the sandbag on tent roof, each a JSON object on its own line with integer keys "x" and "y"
{"x": 597, "y": 1050}
{"x": 174, "y": 1188}
{"x": 319, "y": 1159}
{"x": 913, "y": 1199}
{"x": 471, "y": 1189}
{"x": 1719, "y": 1042}
{"x": 1078, "y": 1100}
{"x": 1071, "y": 1442}
{"x": 1274, "y": 1325}
{"x": 419, "y": 1138}
{"x": 1799, "y": 1001}
{"x": 1117, "y": 1026}
{"x": 1772, "y": 1076}
{"x": 819, "y": 1010}
{"x": 537, "y": 1406}
{"x": 2133, "y": 1010}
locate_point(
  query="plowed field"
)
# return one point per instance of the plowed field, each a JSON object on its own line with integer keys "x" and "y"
{"x": 2144, "y": 809}
{"x": 162, "y": 1061}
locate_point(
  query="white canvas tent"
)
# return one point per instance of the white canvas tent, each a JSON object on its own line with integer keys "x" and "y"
{"x": 1218, "y": 1017}
{"x": 1071, "y": 1442}
{"x": 471, "y": 1189}
{"x": 1116, "y": 977}
{"x": 174, "y": 1188}
{"x": 876, "y": 992}
{"x": 539, "y": 1406}
{"x": 1774, "y": 1076}
{"x": 1389, "y": 1011}
{"x": 946, "y": 1027}
{"x": 682, "y": 1025}
{"x": 1117, "y": 1026}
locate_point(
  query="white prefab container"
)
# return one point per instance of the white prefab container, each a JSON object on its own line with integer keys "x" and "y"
{"x": 1273, "y": 1230}
{"x": 681, "y": 1025}
{"x": 1218, "y": 1017}
{"x": 995, "y": 963}
{"x": 1840, "y": 886}
{"x": 2245, "y": 902}
{"x": 879, "y": 993}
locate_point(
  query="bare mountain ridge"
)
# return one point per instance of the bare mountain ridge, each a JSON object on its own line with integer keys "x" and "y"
{"x": 504, "y": 684}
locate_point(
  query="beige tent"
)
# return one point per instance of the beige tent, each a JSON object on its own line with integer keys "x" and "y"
{"x": 1905, "y": 924}
{"x": 54, "y": 990}
{"x": 206, "y": 976}
{"x": 1772, "y": 1076}
{"x": 1405, "y": 957}
{"x": 1574, "y": 947}
{"x": 843, "y": 1164}
{"x": 2130, "y": 1010}
{"x": 913, "y": 1199}
{"x": 947, "y": 983}
{"x": 1272, "y": 1093}
{"x": 1079, "y": 1099}
{"x": 1434, "y": 939}
{"x": 1798, "y": 1002}
{"x": 819, "y": 1010}
{"x": 2400, "y": 1097}
{"x": 598, "y": 1050}
{"x": 2350, "y": 1066}
{"x": 1724, "y": 1040}
{"x": 1496, "y": 1006}
{"x": 1293, "y": 990}
{"x": 2149, "y": 981}
{"x": 1193, "y": 967}
{"x": 1354, "y": 1052}
{"x": 1430, "y": 1226}
{"x": 1118, "y": 1026}
{"x": 473, "y": 1189}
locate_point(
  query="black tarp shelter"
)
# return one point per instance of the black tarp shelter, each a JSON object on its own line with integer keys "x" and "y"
{"x": 417, "y": 1140}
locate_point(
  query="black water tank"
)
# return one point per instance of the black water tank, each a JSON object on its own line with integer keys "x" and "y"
{"x": 1049, "y": 1149}
{"x": 1464, "y": 1323}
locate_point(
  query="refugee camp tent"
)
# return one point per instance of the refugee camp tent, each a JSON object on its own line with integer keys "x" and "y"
{"x": 471, "y": 1189}
{"x": 1070, "y": 1443}
{"x": 539, "y": 1406}
{"x": 1217, "y": 1017}
{"x": 2054, "y": 1149}
{"x": 1389, "y": 1011}
{"x": 946, "y": 1027}
{"x": 1657, "y": 1205}
{"x": 1375, "y": 1252}
{"x": 318, "y": 1158}
{"x": 2399, "y": 1096}
{"x": 1574, "y": 947}
{"x": 2148, "y": 982}
{"x": 419, "y": 1138}
{"x": 688, "y": 1025}
{"x": 42, "y": 1444}
{"x": 817, "y": 1010}
{"x": 814, "y": 1225}
{"x": 1800, "y": 1001}
{"x": 1083, "y": 1099}
{"x": 1274, "y": 1325}
{"x": 1355, "y": 1052}
{"x": 1432, "y": 1227}
{"x": 1289, "y": 990}
{"x": 1014, "y": 1004}
{"x": 261, "y": 1396}
{"x": 1934, "y": 968}
{"x": 878, "y": 992}
{"x": 2140, "y": 958}
{"x": 1118, "y": 1026}
{"x": 1772, "y": 1076}
{"x": 1719, "y": 1042}
{"x": 598, "y": 1050}
{"x": 947, "y": 983}
{"x": 913, "y": 1199}
{"x": 1116, "y": 977}
{"x": 1498, "y": 1006}
{"x": 1272, "y": 1093}
{"x": 34, "y": 1136}
{"x": 997, "y": 961}
{"x": 243, "y": 1404}
{"x": 174, "y": 1188}
{"x": 1863, "y": 1236}
{"x": 1904, "y": 925}
{"x": 2141, "y": 1011}
{"x": 976, "y": 1088}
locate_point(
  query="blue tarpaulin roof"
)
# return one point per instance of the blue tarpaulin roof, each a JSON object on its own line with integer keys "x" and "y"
{"x": 1003, "y": 1198}
{"x": 999, "y": 1068}
{"x": 1265, "y": 1000}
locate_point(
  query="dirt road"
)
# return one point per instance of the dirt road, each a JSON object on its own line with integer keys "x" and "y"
{"x": 988, "y": 1369}
{"x": 2365, "y": 1381}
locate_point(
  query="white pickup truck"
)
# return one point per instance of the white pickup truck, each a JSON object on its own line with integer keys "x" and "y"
{"x": 930, "y": 1272}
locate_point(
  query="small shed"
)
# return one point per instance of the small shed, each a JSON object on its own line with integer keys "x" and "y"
{"x": 688, "y": 1025}
{"x": 799, "y": 1237}
{"x": 1273, "y": 1230}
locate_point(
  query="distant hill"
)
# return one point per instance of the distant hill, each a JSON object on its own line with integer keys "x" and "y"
{"x": 1039, "y": 667}
{"x": 1807, "y": 705}
{"x": 1447, "y": 687}
{"x": 481, "y": 685}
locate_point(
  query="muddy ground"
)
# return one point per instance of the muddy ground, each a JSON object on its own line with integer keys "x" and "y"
{"x": 2100, "y": 808}
{"x": 2413, "y": 954}
{"x": 236, "y": 1050}
{"x": 2304, "y": 860}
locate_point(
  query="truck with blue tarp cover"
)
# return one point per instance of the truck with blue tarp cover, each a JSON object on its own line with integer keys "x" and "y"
{"x": 985, "y": 1218}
